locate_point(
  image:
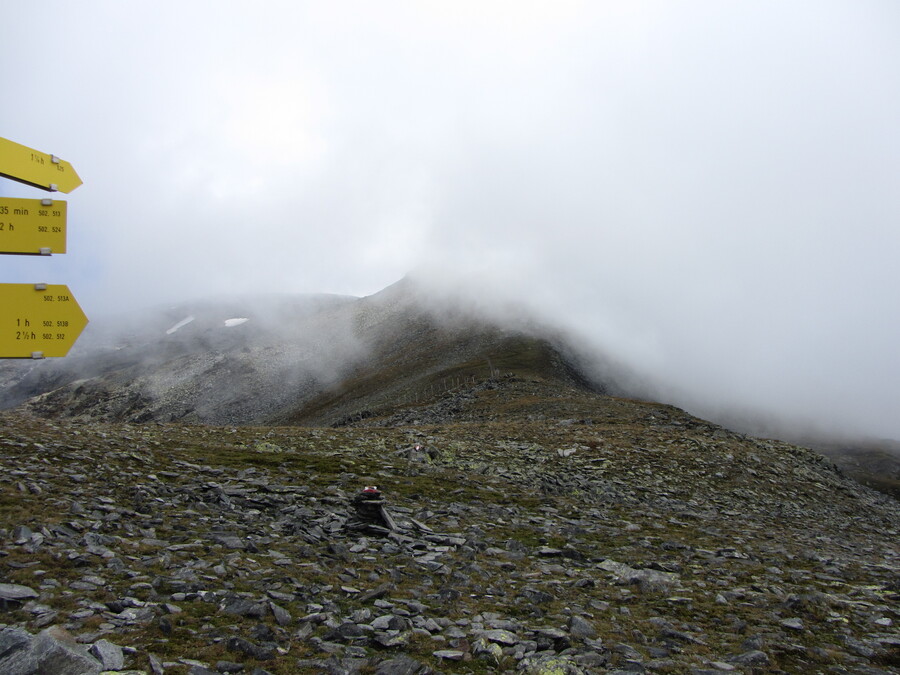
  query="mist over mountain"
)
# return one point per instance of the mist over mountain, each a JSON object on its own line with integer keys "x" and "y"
{"x": 310, "y": 359}
{"x": 403, "y": 355}
{"x": 707, "y": 192}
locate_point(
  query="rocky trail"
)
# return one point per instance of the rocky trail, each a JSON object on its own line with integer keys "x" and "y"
{"x": 636, "y": 540}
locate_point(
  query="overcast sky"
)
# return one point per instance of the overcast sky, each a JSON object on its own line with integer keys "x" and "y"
{"x": 708, "y": 189}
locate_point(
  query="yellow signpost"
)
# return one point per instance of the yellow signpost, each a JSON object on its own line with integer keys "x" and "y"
{"x": 39, "y": 169}
{"x": 32, "y": 226}
{"x": 38, "y": 320}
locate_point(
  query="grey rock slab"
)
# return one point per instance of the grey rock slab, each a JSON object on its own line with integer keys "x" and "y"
{"x": 592, "y": 661}
{"x": 110, "y": 655}
{"x": 229, "y": 541}
{"x": 16, "y": 593}
{"x": 282, "y": 616}
{"x": 243, "y": 607}
{"x": 648, "y": 580}
{"x": 389, "y": 640}
{"x": 13, "y": 639}
{"x": 401, "y": 665}
{"x": 347, "y": 631}
{"x": 450, "y": 654}
{"x": 201, "y": 670}
{"x": 581, "y": 628}
{"x": 248, "y": 648}
{"x": 793, "y": 623}
{"x": 390, "y": 622}
{"x": 52, "y": 652}
{"x": 547, "y": 665}
{"x": 552, "y": 633}
{"x": 229, "y": 667}
{"x": 754, "y": 657}
{"x": 503, "y": 637}
{"x": 21, "y": 534}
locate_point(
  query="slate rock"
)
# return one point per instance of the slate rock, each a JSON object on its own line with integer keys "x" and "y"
{"x": 450, "y": 654}
{"x": 348, "y": 631}
{"x": 242, "y": 646}
{"x": 754, "y": 657}
{"x": 536, "y": 596}
{"x": 402, "y": 665}
{"x": 581, "y": 628}
{"x": 282, "y": 616}
{"x": 551, "y": 665}
{"x": 12, "y": 596}
{"x": 109, "y": 655}
{"x": 503, "y": 637}
{"x": 13, "y": 640}
{"x": 201, "y": 670}
{"x": 793, "y": 623}
{"x": 390, "y": 622}
{"x": 52, "y": 652}
{"x": 391, "y": 640}
{"x": 156, "y": 666}
{"x": 21, "y": 534}
{"x": 377, "y": 592}
{"x": 238, "y": 606}
{"x": 488, "y": 650}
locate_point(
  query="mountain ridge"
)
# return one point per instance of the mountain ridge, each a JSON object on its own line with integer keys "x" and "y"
{"x": 404, "y": 353}
{"x": 269, "y": 362}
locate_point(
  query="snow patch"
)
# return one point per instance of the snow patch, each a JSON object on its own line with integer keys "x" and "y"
{"x": 235, "y": 322}
{"x": 183, "y": 322}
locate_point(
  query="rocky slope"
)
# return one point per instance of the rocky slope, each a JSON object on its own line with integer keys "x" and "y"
{"x": 306, "y": 360}
{"x": 330, "y": 360}
{"x": 539, "y": 528}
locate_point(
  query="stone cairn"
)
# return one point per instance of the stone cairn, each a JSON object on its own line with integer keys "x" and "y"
{"x": 370, "y": 514}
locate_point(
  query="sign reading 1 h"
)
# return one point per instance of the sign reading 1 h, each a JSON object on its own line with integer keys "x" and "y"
{"x": 36, "y": 320}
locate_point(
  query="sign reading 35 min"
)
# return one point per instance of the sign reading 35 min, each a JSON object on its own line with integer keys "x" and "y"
{"x": 32, "y": 226}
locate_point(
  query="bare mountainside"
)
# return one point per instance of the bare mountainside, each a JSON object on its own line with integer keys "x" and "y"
{"x": 535, "y": 528}
{"x": 310, "y": 360}
{"x": 183, "y": 500}
{"x": 402, "y": 356}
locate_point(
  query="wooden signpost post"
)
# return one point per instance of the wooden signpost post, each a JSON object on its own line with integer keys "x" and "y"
{"x": 36, "y": 320}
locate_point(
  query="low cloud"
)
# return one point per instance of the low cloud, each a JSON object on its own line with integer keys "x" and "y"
{"x": 706, "y": 191}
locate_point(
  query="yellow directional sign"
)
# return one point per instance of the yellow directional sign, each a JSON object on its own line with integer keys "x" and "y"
{"x": 38, "y": 320}
{"x": 39, "y": 169}
{"x": 32, "y": 226}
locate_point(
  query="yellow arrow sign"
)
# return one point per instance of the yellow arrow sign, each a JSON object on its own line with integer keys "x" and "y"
{"x": 39, "y": 169}
{"x": 38, "y": 320}
{"x": 32, "y": 226}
